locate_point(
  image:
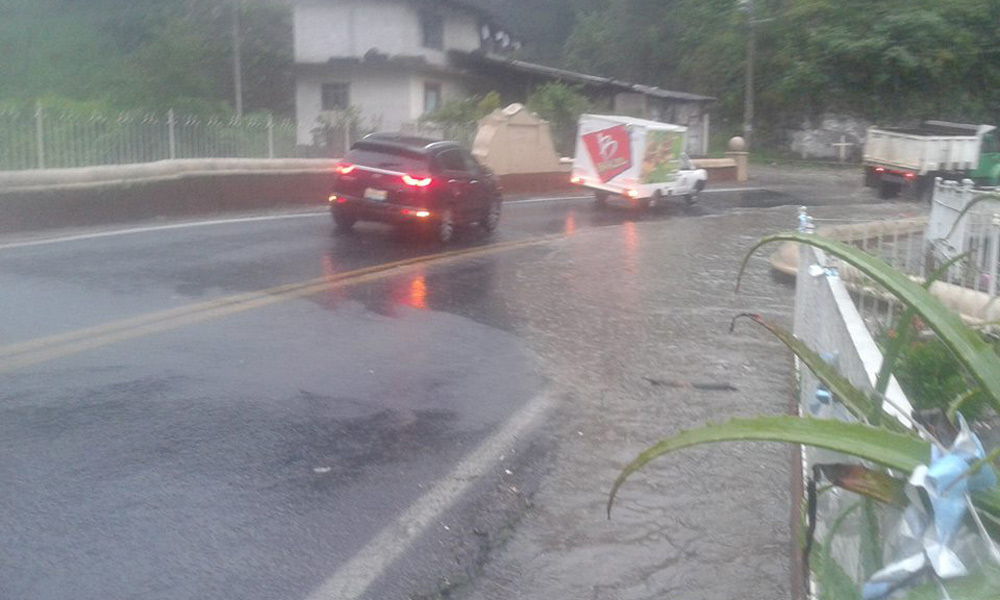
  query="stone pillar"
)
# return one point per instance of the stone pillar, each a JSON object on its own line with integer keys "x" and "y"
{"x": 737, "y": 152}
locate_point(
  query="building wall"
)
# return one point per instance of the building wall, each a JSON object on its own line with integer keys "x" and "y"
{"x": 678, "y": 112}
{"x": 382, "y": 96}
{"x": 389, "y": 99}
{"x": 326, "y": 29}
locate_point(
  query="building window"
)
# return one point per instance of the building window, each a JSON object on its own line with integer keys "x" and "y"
{"x": 336, "y": 96}
{"x": 432, "y": 30}
{"x": 432, "y": 97}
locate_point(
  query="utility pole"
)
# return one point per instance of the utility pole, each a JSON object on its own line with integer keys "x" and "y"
{"x": 747, "y": 5}
{"x": 237, "y": 60}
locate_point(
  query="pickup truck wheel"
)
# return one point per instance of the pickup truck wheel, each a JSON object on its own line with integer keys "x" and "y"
{"x": 343, "y": 221}
{"x": 690, "y": 199}
{"x": 888, "y": 189}
{"x": 601, "y": 199}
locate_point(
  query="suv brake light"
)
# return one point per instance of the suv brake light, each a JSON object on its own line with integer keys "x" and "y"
{"x": 413, "y": 181}
{"x": 345, "y": 168}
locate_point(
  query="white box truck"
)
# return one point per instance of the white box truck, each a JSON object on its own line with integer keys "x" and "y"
{"x": 638, "y": 160}
{"x": 898, "y": 159}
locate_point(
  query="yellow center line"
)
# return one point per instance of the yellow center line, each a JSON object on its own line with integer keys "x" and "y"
{"x": 31, "y": 352}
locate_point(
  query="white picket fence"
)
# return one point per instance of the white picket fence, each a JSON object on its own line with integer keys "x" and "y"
{"x": 46, "y": 139}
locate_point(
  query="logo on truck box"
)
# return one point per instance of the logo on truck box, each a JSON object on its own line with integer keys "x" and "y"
{"x": 610, "y": 151}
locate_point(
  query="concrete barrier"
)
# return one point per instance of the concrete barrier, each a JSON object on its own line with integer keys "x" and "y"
{"x": 60, "y": 198}
{"x": 38, "y": 200}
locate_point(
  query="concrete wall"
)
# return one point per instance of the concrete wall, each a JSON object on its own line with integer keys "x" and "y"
{"x": 62, "y": 198}
{"x": 129, "y": 201}
{"x": 383, "y": 95}
{"x": 390, "y": 98}
{"x": 816, "y": 139}
{"x": 326, "y": 29}
{"x": 678, "y": 112}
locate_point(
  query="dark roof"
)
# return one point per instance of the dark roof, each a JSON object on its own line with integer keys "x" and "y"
{"x": 479, "y": 58}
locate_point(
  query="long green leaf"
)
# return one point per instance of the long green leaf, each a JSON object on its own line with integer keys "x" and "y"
{"x": 870, "y": 538}
{"x": 904, "y": 329}
{"x": 972, "y": 352}
{"x": 856, "y": 401}
{"x": 894, "y": 450}
{"x": 834, "y": 583}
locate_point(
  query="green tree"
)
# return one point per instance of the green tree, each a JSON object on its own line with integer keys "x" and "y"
{"x": 561, "y": 106}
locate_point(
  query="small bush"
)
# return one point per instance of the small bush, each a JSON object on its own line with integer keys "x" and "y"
{"x": 932, "y": 378}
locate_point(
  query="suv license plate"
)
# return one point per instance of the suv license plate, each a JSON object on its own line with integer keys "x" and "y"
{"x": 375, "y": 195}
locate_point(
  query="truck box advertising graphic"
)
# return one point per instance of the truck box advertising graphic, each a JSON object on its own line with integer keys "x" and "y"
{"x": 661, "y": 159}
{"x": 610, "y": 150}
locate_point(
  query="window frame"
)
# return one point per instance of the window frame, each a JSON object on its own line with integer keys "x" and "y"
{"x": 436, "y": 87}
{"x": 344, "y": 88}
{"x": 432, "y": 39}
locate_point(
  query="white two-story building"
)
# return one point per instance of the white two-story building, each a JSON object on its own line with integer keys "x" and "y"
{"x": 395, "y": 60}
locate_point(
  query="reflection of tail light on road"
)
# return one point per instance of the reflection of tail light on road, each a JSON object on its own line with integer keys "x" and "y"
{"x": 418, "y": 292}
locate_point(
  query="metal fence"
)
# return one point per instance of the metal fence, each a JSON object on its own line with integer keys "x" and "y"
{"x": 48, "y": 139}
{"x": 919, "y": 246}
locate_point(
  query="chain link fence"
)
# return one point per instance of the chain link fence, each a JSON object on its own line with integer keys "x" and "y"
{"x": 56, "y": 139}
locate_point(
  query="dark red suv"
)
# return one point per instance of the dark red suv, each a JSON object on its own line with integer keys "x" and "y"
{"x": 414, "y": 181}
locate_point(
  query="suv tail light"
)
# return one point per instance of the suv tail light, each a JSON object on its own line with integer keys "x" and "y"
{"x": 344, "y": 168}
{"x": 413, "y": 181}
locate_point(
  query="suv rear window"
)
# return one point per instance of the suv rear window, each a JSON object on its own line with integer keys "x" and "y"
{"x": 390, "y": 159}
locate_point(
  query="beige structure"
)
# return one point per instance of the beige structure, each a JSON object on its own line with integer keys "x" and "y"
{"x": 737, "y": 152}
{"x": 514, "y": 140}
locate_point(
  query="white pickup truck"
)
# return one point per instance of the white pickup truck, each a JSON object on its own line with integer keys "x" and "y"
{"x": 638, "y": 160}
{"x": 898, "y": 159}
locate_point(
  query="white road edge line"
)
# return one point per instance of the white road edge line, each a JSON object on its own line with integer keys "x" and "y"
{"x": 117, "y": 232}
{"x": 560, "y": 199}
{"x": 728, "y": 190}
{"x": 354, "y": 578}
{"x": 567, "y": 198}
{"x": 154, "y": 228}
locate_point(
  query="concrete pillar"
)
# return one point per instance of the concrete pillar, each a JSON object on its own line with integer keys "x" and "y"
{"x": 739, "y": 155}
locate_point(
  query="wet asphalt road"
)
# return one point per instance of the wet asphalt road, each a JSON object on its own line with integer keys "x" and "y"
{"x": 250, "y": 453}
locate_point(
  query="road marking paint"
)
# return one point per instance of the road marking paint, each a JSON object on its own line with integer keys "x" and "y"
{"x": 153, "y": 228}
{"x": 726, "y": 190}
{"x": 560, "y": 199}
{"x": 352, "y": 579}
{"x": 236, "y": 221}
{"x": 31, "y": 352}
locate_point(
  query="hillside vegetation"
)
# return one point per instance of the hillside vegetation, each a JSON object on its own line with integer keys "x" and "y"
{"x": 890, "y": 60}
{"x": 150, "y": 54}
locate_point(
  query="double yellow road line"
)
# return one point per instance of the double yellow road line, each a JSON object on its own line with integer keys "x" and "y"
{"x": 32, "y": 352}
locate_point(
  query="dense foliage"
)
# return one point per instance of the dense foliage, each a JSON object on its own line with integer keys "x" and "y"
{"x": 154, "y": 54}
{"x": 888, "y": 61}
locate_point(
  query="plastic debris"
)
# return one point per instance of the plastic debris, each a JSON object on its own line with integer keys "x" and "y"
{"x": 928, "y": 531}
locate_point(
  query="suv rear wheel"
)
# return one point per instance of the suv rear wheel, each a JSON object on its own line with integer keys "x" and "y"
{"x": 492, "y": 219}
{"x": 444, "y": 228}
{"x": 343, "y": 221}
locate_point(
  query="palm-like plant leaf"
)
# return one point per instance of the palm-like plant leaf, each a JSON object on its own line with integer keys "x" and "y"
{"x": 894, "y": 450}
{"x": 969, "y": 349}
